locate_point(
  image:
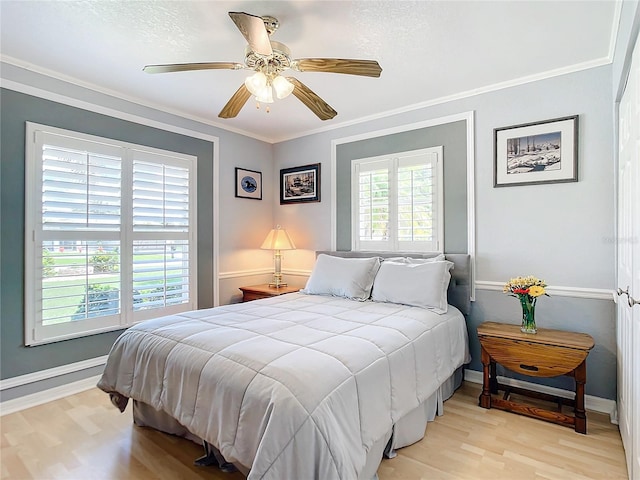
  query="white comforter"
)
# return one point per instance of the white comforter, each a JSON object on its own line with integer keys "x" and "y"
{"x": 292, "y": 387}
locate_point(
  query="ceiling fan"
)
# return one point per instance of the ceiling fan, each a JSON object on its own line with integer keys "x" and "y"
{"x": 269, "y": 59}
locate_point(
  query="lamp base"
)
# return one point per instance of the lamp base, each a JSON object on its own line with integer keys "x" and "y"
{"x": 277, "y": 278}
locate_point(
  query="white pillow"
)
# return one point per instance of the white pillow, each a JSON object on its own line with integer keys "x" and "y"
{"x": 342, "y": 277}
{"x": 417, "y": 284}
{"x": 438, "y": 258}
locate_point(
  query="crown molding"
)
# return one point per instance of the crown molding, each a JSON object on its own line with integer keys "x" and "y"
{"x": 387, "y": 113}
{"x": 115, "y": 94}
{"x": 457, "y": 96}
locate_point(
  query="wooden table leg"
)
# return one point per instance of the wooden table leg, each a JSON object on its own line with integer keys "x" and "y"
{"x": 580, "y": 416}
{"x": 493, "y": 377}
{"x": 485, "y": 396}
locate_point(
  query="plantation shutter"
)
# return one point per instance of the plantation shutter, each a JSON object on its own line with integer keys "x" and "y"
{"x": 81, "y": 189}
{"x": 80, "y": 223}
{"x": 418, "y": 202}
{"x": 373, "y": 205}
{"x": 397, "y": 202}
{"x": 161, "y": 192}
{"x": 110, "y": 234}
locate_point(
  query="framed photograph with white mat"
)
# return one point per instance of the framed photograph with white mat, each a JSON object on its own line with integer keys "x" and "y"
{"x": 535, "y": 153}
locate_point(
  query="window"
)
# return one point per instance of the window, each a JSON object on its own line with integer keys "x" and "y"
{"x": 397, "y": 202}
{"x": 110, "y": 234}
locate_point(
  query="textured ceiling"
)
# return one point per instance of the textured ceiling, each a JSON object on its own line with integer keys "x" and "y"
{"x": 429, "y": 51}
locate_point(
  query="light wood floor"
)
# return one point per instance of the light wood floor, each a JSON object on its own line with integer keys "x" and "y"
{"x": 84, "y": 437}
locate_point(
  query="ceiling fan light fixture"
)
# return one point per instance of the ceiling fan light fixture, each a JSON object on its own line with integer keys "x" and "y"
{"x": 268, "y": 59}
{"x": 256, "y": 83}
{"x": 282, "y": 86}
{"x": 265, "y": 95}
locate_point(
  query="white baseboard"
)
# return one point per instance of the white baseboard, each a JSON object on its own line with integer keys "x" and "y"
{"x": 49, "y": 395}
{"x": 597, "y": 404}
{"x": 20, "y": 380}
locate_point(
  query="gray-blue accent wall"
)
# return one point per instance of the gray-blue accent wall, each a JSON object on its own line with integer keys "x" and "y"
{"x": 18, "y": 108}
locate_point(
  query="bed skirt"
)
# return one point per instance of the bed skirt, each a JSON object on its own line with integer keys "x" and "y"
{"x": 408, "y": 430}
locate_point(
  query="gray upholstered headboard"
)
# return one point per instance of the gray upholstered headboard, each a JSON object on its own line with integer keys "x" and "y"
{"x": 459, "y": 293}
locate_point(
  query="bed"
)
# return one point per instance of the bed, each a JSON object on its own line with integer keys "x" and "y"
{"x": 318, "y": 384}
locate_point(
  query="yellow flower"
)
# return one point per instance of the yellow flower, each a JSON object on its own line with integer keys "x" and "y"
{"x": 523, "y": 283}
{"x": 536, "y": 290}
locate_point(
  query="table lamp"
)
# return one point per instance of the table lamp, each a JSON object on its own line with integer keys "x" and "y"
{"x": 278, "y": 239}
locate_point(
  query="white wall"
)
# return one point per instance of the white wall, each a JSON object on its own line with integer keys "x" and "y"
{"x": 563, "y": 233}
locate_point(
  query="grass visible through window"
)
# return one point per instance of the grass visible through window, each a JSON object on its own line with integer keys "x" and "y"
{"x": 64, "y": 293}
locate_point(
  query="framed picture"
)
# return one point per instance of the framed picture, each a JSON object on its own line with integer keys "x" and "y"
{"x": 300, "y": 184}
{"x": 535, "y": 153}
{"x": 248, "y": 184}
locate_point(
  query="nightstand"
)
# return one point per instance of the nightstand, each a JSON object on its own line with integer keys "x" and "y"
{"x": 548, "y": 353}
{"x": 255, "y": 292}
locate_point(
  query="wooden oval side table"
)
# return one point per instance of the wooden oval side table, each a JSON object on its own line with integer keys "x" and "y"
{"x": 548, "y": 353}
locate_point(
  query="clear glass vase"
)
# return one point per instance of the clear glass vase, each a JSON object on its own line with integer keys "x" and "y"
{"x": 528, "y": 314}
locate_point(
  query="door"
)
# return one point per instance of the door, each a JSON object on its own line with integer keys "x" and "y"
{"x": 628, "y": 268}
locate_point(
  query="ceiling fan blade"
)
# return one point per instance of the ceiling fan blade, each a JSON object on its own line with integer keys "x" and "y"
{"x": 235, "y": 103}
{"x": 184, "y": 67}
{"x": 367, "y": 68}
{"x": 253, "y": 30}
{"x": 318, "y": 106}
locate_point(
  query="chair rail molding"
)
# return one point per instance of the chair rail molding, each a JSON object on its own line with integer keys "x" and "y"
{"x": 556, "y": 290}
{"x": 262, "y": 271}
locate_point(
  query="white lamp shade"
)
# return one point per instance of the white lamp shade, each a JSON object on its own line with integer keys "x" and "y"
{"x": 282, "y": 86}
{"x": 256, "y": 83}
{"x": 265, "y": 95}
{"x": 278, "y": 239}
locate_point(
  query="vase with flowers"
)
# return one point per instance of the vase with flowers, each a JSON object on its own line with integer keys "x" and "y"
{"x": 527, "y": 290}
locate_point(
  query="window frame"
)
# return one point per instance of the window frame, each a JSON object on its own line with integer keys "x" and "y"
{"x": 35, "y": 333}
{"x": 393, "y": 162}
